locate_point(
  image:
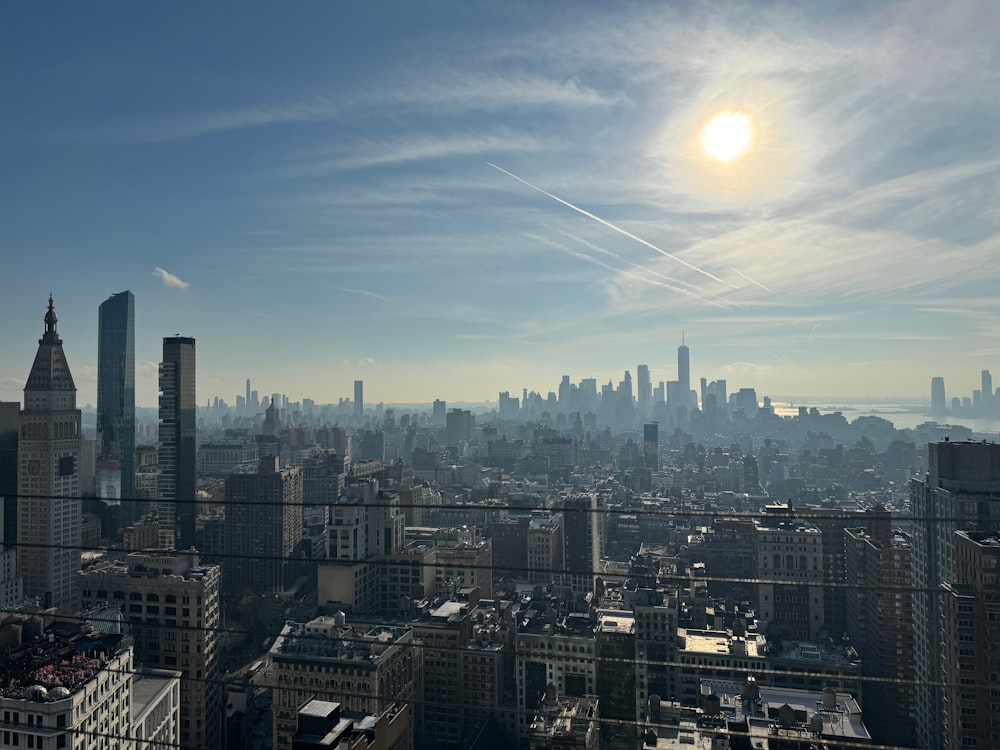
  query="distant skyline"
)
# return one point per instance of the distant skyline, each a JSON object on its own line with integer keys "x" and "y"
{"x": 450, "y": 200}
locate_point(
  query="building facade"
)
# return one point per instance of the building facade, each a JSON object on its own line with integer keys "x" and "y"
{"x": 879, "y": 616}
{"x": 789, "y": 556}
{"x": 961, "y": 491}
{"x": 177, "y": 481}
{"x": 80, "y": 690}
{"x": 263, "y": 529}
{"x": 581, "y": 543}
{"x": 172, "y": 605}
{"x": 970, "y": 632}
{"x": 116, "y": 405}
{"x": 365, "y": 668}
{"x": 48, "y": 527}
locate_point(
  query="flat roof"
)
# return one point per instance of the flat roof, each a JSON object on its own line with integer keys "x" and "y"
{"x": 616, "y": 621}
{"x": 319, "y": 708}
{"x": 147, "y": 687}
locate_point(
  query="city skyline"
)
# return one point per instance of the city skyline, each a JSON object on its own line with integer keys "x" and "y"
{"x": 343, "y": 181}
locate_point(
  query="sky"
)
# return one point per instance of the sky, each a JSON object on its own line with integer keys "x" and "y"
{"x": 448, "y": 200}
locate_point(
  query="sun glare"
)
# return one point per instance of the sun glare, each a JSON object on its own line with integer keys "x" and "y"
{"x": 727, "y": 136}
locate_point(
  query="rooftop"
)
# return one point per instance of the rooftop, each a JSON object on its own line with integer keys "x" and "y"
{"x": 788, "y": 711}
{"x": 835, "y": 654}
{"x": 616, "y": 621}
{"x": 148, "y": 685}
{"x": 752, "y": 645}
{"x": 324, "y": 638}
{"x": 565, "y": 716}
{"x": 56, "y": 665}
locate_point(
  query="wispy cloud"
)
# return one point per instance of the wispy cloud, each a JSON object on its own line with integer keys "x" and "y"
{"x": 274, "y": 318}
{"x": 176, "y": 127}
{"x": 446, "y": 90}
{"x": 366, "y": 293}
{"x": 419, "y": 148}
{"x": 748, "y": 369}
{"x": 454, "y": 90}
{"x": 170, "y": 279}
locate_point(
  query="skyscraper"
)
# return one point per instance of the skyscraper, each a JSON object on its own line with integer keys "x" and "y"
{"x": 969, "y": 615}
{"x": 263, "y": 528}
{"x": 116, "y": 404}
{"x": 440, "y": 410}
{"x": 176, "y": 486}
{"x": 48, "y": 524}
{"x": 651, "y": 445}
{"x": 879, "y": 620}
{"x": 644, "y": 390}
{"x": 938, "y": 402}
{"x": 359, "y": 399}
{"x": 684, "y": 374}
{"x": 987, "y": 396}
{"x": 581, "y": 543}
{"x": 10, "y": 415}
{"x": 960, "y": 492}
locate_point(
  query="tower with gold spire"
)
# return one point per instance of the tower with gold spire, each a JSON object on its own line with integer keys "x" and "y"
{"x": 48, "y": 526}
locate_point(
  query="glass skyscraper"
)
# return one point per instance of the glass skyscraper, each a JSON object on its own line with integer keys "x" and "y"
{"x": 177, "y": 481}
{"x": 116, "y": 404}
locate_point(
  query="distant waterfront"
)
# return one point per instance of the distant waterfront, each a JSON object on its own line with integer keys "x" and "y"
{"x": 902, "y": 415}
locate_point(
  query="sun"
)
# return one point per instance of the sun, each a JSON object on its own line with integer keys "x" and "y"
{"x": 727, "y": 136}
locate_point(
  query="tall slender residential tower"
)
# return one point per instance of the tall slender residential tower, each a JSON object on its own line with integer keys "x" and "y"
{"x": 359, "y": 399}
{"x": 10, "y": 416}
{"x": 175, "y": 495}
{"x": 48, "y": 451}
{"x": 116, "y": 405}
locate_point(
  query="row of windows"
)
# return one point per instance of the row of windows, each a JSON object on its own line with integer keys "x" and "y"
{"x": 13, "y": 739}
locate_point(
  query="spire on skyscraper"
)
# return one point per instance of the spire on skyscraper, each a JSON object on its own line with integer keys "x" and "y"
{"x": 49, "y": 371}
{"x": 50, "y": 321}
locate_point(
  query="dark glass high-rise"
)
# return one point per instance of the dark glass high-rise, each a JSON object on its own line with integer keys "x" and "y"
{"x": 177, "y": 481}
{"x": 116, "y": 405}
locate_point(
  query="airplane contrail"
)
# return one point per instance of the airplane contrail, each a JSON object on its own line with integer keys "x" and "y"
{"x": 609, "y": 225}
{"x": 640, "y": 277}
{"x": 645, "y": 269}
{"x": 812, "y": 331}
{"x": 749, "y": 279}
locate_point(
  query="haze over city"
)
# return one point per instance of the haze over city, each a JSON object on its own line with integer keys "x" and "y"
{"x": 311, "y": 192}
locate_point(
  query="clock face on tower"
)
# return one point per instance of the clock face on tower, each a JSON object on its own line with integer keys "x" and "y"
{"x": 34, "y": 467}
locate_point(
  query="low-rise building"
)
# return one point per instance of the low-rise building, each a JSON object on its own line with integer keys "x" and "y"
{"x": 326, "y": 724}
{"x": 171, "y": 603}
{"x": 362, "y": 667}
{"x": 73, "y": 687}
{"x": 565, "y": 724}
{"x": 554, "y": 656}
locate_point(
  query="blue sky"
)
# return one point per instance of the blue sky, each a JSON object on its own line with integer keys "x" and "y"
{"x": 313, "y": 181}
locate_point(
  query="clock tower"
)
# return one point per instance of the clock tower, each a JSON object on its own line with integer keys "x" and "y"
{"x": 48, "y": 505}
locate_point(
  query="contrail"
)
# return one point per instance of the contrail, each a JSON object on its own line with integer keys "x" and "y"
{"x": 812, "y": 331}
{"x": 640, "y": 277}
{"x": 750, "y": 280}
{"x": 645, "y": 269}
{"x": 609, "y": 225}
